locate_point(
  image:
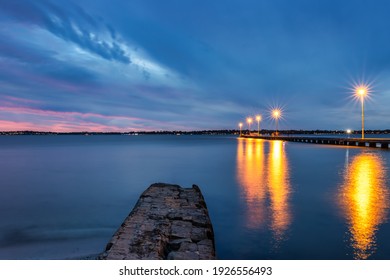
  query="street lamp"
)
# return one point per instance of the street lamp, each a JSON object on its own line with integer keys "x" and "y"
{"x": 240, "y": 125}
{"x": 349, "y": 132}
{"x": 361, "y": 91}
{"x": 258, "y": 119}
{"x": 276, "y": 114}
{"x": 249, "y": 121}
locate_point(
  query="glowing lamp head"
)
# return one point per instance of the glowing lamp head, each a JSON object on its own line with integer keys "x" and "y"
{"x": 258, "y": 118}
{"x": 249, "y": 120}
{"x": 361, "y": 90}
{"x": 276, "y": 113}
{"x": 349, "y": 131}
{"x": 240, "y": 124}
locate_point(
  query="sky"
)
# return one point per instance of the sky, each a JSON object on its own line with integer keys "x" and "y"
{"x": 141, "y": 65}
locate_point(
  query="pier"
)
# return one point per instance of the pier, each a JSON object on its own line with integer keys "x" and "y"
{"x": 167, "y": 222}
{"x": 381, "y": 143}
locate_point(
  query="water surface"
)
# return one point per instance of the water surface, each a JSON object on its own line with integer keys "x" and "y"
{"x": 64, "y": 196}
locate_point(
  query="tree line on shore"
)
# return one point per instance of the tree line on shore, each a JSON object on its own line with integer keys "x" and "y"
{"x": 194, "y": 132}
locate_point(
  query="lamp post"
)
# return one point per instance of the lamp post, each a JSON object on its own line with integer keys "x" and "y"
{"x": 240, "y": 125}
{"x": 249, "y": 121}
{"x": 258, "y": 119}
{"x": 276, "y": 115}
{"x": 361, "y": 92}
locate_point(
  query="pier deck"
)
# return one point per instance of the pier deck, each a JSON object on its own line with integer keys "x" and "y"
{"x": 382, "y": 143}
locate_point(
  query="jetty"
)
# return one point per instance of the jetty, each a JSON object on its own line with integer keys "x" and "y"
{"x": 167, "y": 222}
{"x": 381, "y": 143}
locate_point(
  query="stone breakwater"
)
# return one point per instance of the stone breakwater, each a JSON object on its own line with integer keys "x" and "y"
{"x": 168, "y": 222}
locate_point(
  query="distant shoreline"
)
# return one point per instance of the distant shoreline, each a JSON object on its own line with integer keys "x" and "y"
{"x": 195, "y": 132}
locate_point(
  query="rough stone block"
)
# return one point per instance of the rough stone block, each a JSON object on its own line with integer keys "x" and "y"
{"x": 167, "y": 222}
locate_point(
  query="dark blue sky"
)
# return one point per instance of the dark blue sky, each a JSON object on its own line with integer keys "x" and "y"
{"x": 121, "y": 65}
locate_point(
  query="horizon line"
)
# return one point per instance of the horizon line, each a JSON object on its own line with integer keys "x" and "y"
{"x": 191, "y": 131}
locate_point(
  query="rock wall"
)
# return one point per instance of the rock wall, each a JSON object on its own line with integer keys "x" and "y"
{"x": 168, "y": 222}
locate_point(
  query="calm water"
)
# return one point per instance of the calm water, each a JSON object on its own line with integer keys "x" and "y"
{"x": 64, "y": 196}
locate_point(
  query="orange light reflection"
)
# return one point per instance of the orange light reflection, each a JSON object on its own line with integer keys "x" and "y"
{"x": 364, "y": 198}
{"x": 279, "y": 189}
{"x": 264, "y": 176}
{"x": 250, "y": 171}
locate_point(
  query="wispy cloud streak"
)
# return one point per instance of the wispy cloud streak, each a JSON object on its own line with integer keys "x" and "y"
{"x": 72, "y": 24}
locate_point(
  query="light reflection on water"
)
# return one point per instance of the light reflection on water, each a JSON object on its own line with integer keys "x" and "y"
{"x": 250, "y": 173}
{"x": 279, "y": 189}
{"x": 263, "y": 175}
{"x": 264, "y": 180}
{"x": 364, "y": 200}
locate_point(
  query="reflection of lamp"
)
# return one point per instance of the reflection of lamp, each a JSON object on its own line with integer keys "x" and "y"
{"x": 364, "y": 198}
{"x": 240, "y": 125}
{"x": 362, "y": 91}
{"x": 251, "y": 177}
{"x": 279, "y": 190}
{"x": 263, "y": 175}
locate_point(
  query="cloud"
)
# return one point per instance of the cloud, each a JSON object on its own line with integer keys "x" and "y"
{"x": 11, "y": 49}
{"x": 67, "y": 121}
{"x": 57, "y": 126}
{"x": 73, "y": 25}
